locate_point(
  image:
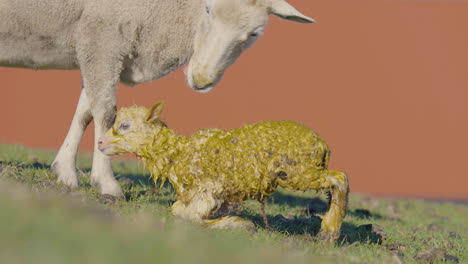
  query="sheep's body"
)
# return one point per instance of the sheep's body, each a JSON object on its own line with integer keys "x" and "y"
{"x": 214, "y": 171}
{"x": 64, "y": 34}
{"x": 129, "y": 41}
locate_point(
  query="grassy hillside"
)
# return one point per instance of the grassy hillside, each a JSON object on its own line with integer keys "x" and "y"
{"x": 43, "y": 222}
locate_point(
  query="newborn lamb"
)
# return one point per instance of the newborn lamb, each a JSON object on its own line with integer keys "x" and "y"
{"x": 214, "y": 171}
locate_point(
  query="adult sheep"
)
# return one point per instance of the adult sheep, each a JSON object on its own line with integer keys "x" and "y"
{"x": 136, "y": 41}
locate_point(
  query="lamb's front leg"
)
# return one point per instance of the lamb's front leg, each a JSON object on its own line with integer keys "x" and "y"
{"x": 201, "y": 208}
{"x": 65, "y": 161}
{"x": 336, "y": 183}
{"x": 198, "y": 208}
{"x": 230, "y": 221}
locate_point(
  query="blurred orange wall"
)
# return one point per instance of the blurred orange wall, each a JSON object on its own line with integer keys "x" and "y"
{"x": 384, "y": 82}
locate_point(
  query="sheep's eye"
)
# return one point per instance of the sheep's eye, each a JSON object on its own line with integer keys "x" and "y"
{"x": 124, "y": 126}
{"x": 253, "y": 35}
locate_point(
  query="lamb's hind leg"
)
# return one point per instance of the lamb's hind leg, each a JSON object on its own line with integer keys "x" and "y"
{"x": 65, "y": 161}
{"x": 336, "y": 183}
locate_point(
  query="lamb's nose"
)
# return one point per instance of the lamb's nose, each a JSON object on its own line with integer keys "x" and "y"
{"x": 100, "y": 142}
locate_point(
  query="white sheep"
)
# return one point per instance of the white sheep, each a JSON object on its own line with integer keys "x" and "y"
{"x": 130, "y": 41}
{"x": 214, "y": 171}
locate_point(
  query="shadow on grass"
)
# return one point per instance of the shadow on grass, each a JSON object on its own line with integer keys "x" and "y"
{"x": 25, "y": 165}
{"x": 308, "y": 223}
{"x": 137, "y": 186}
{"x": 136, "y": 178}
{"x": 317, "y": 206}
{"x": 364, "y": 214}
{"x": 364, "y": 234}
{"x": 311, "y": 205}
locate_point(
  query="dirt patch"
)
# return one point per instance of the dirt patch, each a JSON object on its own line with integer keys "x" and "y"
{"x": 436, "y": 254}
{"x": 375, "y": 232}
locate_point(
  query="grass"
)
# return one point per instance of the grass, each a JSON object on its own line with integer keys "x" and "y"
{"x": 44, "y": 222}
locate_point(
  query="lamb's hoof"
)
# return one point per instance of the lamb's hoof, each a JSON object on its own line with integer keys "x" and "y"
{"x": 328, "y": 238}
{"x": 253, "y": 229}
{"x": 249, "y": 227}
{"x": 66, "y": 176}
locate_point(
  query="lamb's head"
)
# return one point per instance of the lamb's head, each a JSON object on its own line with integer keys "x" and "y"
{"x": 134, "y": 128}
{"x": 227, "y": 29}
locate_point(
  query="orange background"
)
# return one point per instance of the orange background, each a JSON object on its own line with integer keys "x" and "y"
{"x": 384, "y": 82}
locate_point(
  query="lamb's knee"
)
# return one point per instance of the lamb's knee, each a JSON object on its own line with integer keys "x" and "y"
{"x": 197, "y": 209}
{"x": 336, "y": 182}
{"x": 180, "y": 209}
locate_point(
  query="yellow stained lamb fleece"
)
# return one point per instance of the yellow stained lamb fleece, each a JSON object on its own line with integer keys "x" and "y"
{"x": 214, "y": 171}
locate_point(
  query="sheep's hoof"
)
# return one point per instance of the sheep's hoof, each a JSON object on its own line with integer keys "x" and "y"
{"x": 66, "y": 176}
{"x": 108, "y": 199}
{"x": 107, "y": 185}
{"x": 112, "y": 189}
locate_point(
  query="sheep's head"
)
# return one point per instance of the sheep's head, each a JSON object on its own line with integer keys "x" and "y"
{"x": 228, "y": 28}
{"x": 134, "y": 127}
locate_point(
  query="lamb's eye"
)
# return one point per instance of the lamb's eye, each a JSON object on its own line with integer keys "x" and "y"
{"x": 124, "y": 126}
{"x": 253, "y": 34}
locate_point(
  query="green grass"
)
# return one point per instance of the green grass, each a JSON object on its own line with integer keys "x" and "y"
{"x": 44, "y": 222}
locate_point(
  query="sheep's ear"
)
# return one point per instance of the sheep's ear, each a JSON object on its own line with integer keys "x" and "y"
{"x": 284, "y": 10}
{"x": 155, "y": 111}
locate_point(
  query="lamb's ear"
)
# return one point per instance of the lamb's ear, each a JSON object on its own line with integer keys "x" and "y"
{"x": 284, "y": 10}
{"x": 155, "y": 111}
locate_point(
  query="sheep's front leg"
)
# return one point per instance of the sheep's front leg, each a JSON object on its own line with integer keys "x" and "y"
{"x": 102, "y": 175}
{"x": 100, "y": 59}
{"x": 336, "y": 183}
{"x": 65, "y": 161}
{"x": 103, "y": 108}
